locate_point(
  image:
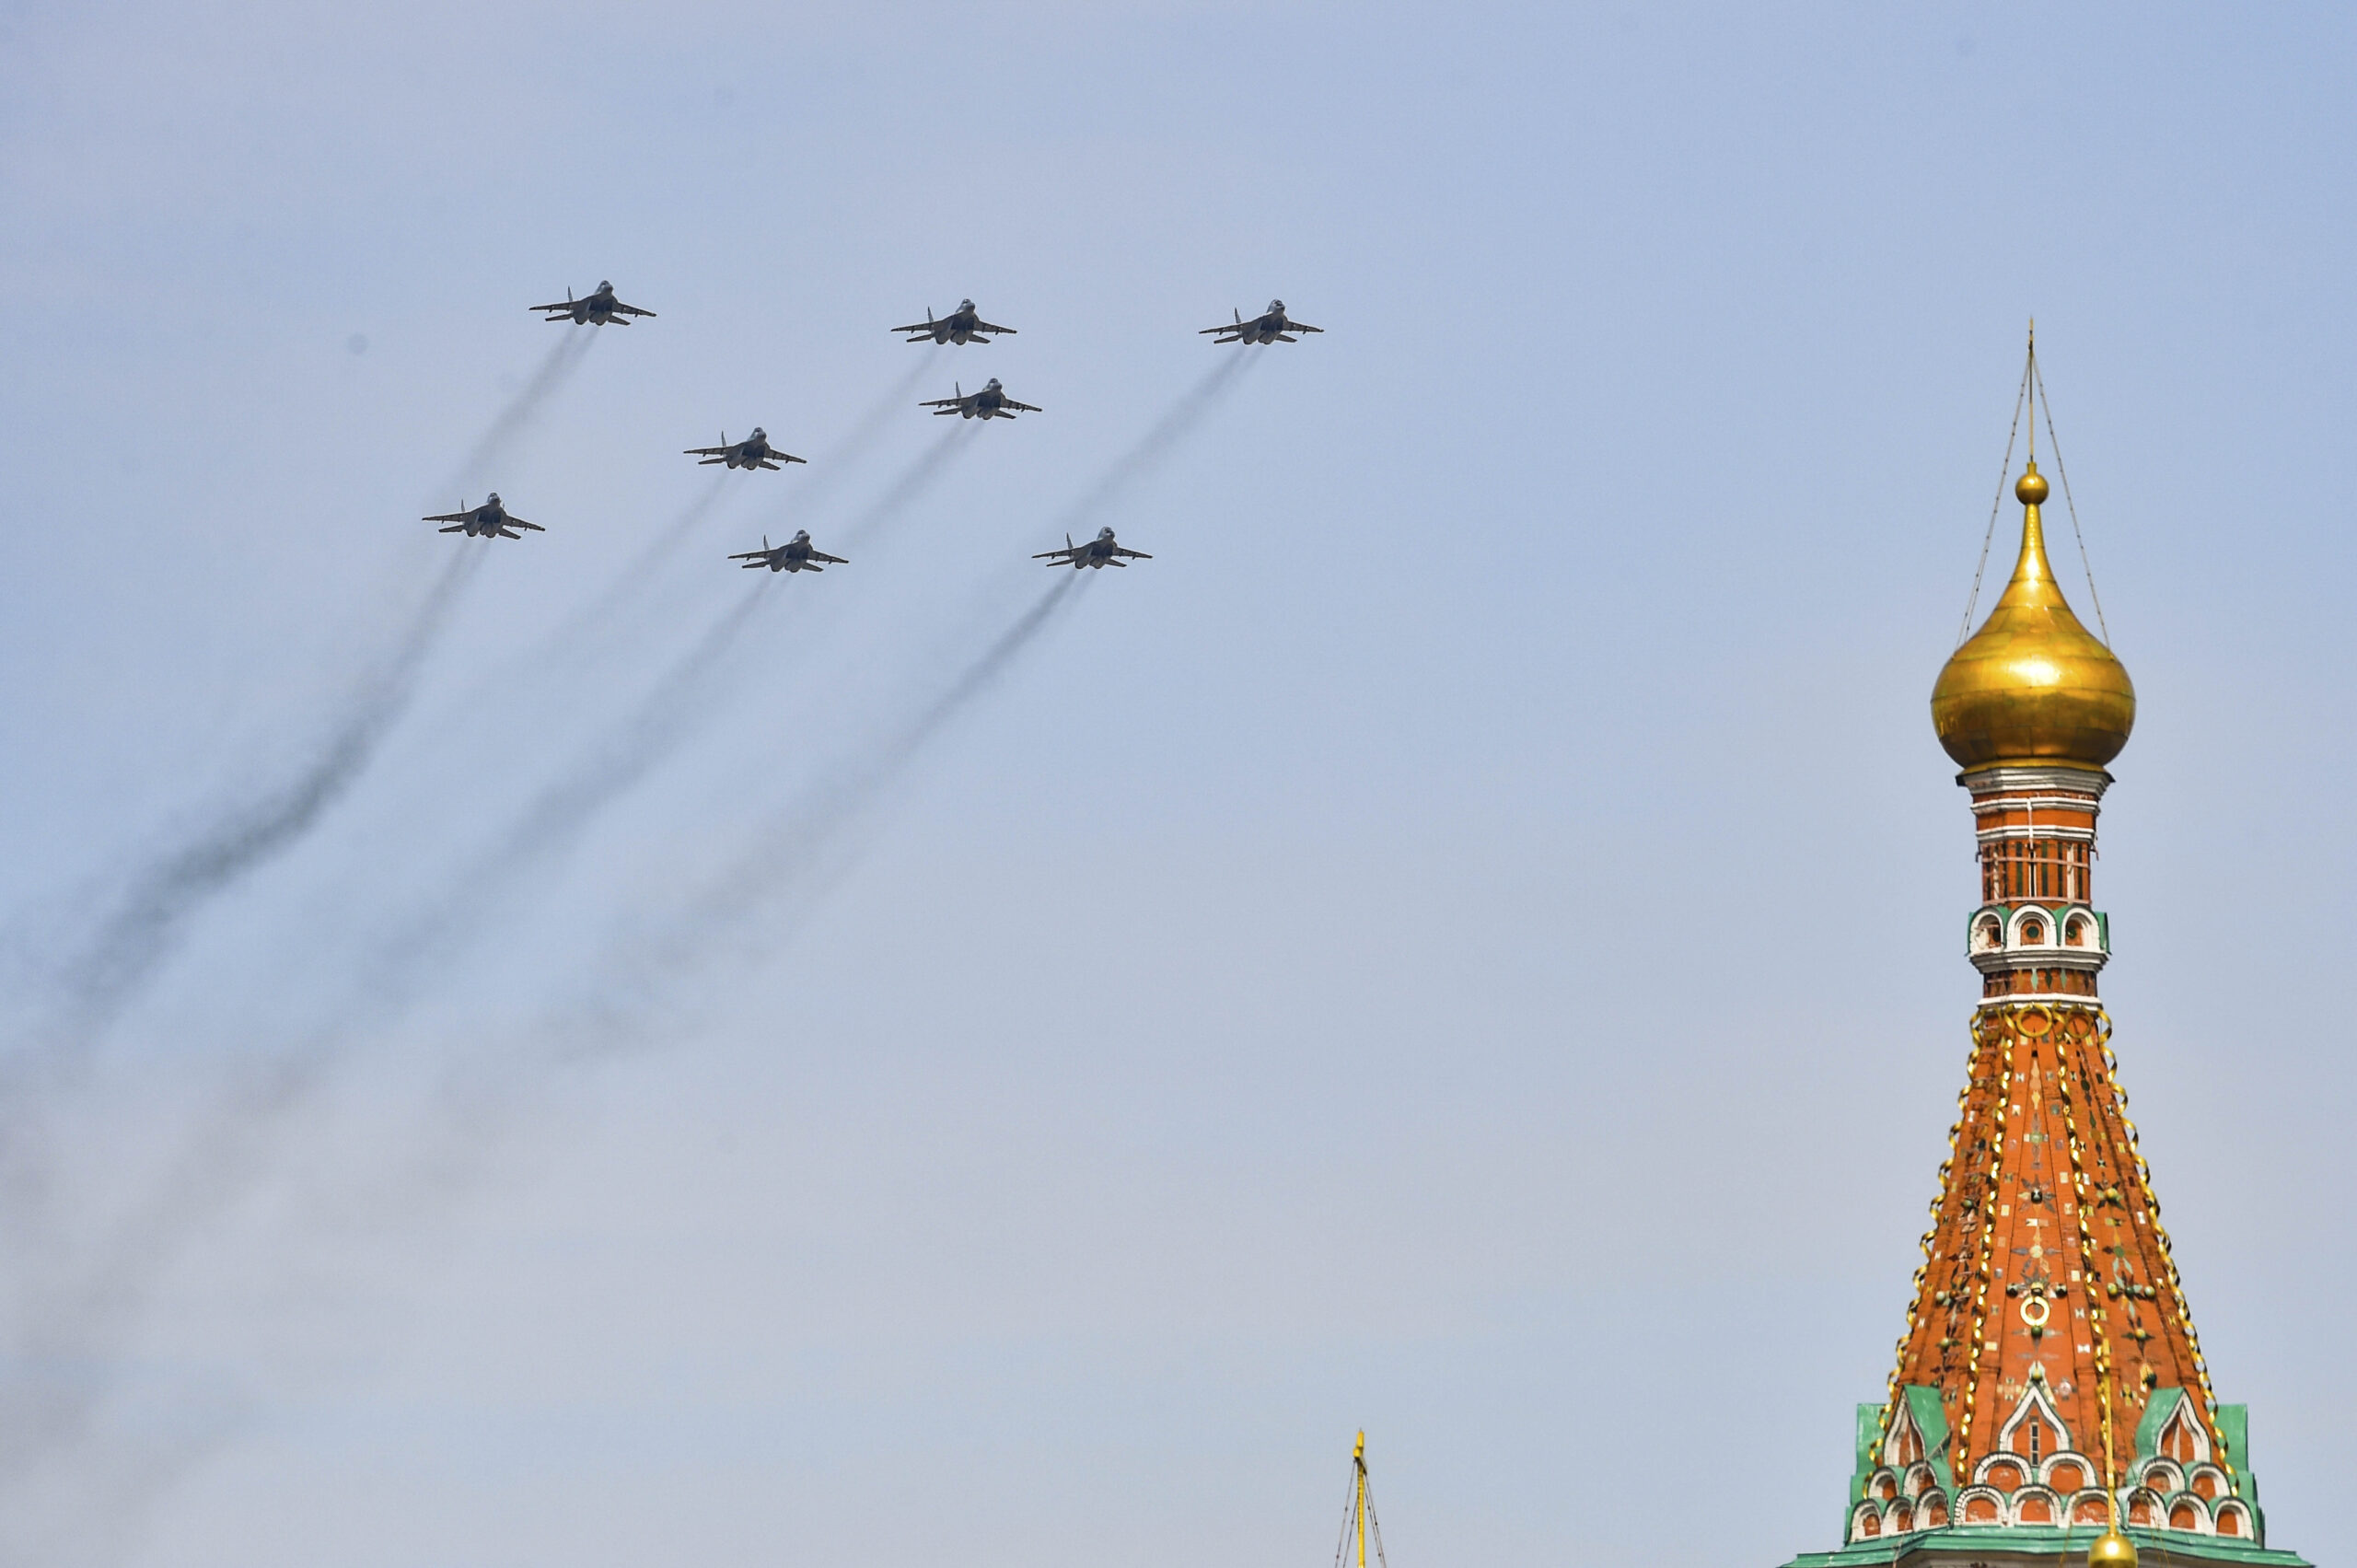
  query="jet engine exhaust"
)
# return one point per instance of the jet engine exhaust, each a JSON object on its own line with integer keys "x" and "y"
{"x": 664, "y": 719}
{"x": 1159, "y": 441}
{"x": 642, "y": 568}
{"x": 793, "y": 844}
{"x": 904, "y": 490}
{"x": 72, "y": 1312}
{"x": 872, "y": 422}
{"x": 522, "y": 412}
{"x": 77, "y": 1312}
{"x": 140, "y": 934}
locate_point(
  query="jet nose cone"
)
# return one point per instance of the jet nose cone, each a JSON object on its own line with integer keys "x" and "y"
{"x": 965, "y": 304}
{"x": 759, "y": 434}
{"x": 1276, "y": 306}
{"x": 491, "y": 499}
{"x": 1104, "y": 533}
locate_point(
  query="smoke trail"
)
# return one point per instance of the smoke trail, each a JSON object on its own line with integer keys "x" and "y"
{"x": 130, "y": 942}
{"x": 1161, "y": 439}
{"x": 140, "y": 934}
{"x": 73, "y": 1306}
{"x": 642, "y": 566}
{"x": 77, "y": 1312}
{"x": 68, "y": 1318}
{"x": 794, "y": 843}
{"x": 666, "y": 716}
{"x": 72, "y": 1315}
{"x": 524, "y": 409}
{"x": 904, "y": 490}
{"x": 876, "y": 418}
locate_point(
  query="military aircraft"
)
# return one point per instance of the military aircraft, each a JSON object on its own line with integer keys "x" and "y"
{"x": 489, "y": 520}
{"x": 753, "y": 452}
{"x": 598, "y": 310}
{"x": 960, "y": 326}
{"x": 1272, "y": 326}
{"x": 794, "y": 555}
{"x": 1097, "y": 554}
{"x": 990, "y": 403}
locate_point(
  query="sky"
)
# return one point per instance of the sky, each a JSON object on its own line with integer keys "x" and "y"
{"x": 559, "y": 1050}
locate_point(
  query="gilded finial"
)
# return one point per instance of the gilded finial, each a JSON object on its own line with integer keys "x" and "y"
{"x": 2031, "y": 489}
{"x": 2112, "y": 1550}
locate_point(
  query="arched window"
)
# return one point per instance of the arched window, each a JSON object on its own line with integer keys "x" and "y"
{"x": 2075, "y": 932}
{"x": 2033, "y": 930}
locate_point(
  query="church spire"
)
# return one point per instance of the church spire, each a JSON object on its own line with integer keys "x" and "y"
{"x": 2049, "y": 1380}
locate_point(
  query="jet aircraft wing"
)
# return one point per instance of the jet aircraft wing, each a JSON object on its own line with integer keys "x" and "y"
{"x": 512, "y": 522}
{"x": 833, "y": 560}
{"x": 450, "y": 518}
{"x": 1027, "y": 408}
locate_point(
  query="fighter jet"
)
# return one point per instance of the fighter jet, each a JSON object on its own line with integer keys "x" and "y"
{"x": 489, "y": 520}
{"x": 990, "y": 403}
{"x": 1097, "y": 554}
{"x": 598, "y": 310}
{"x": 960, "y": 326}
{"x": 794, "y": 555}
{"x": 753, "y": 452}
{"x": 1272, "y": 327}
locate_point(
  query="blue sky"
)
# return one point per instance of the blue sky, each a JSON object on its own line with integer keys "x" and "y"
{"x": 1465, "y": 942}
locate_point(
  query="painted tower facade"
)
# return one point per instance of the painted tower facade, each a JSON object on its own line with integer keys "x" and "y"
{"x": 2050, "y": 1373}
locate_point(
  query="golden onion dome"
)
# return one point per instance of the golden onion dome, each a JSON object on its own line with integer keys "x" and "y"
{"x": 2033, "y": 688}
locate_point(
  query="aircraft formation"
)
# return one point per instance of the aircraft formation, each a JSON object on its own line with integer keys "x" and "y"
{"x": 964, "y": 325}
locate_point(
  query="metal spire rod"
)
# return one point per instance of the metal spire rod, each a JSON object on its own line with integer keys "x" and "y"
{"x": 2063, "y": 474}
{"x": 2004, "y": 472}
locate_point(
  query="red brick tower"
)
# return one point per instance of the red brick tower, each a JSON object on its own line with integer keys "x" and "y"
{"x": 2050, "y": 1362}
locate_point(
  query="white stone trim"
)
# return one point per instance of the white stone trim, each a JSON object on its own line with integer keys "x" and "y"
{"x": 1990, "y": 781}
{"x": 1999, "y": 961}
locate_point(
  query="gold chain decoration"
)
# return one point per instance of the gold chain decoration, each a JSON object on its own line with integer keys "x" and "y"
{"x": 1939, "y": 1205}
{"x": 1999, "y": 1027}
{"x": 2136, "y": 1165}
{"x": 2098, "y": 1322}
